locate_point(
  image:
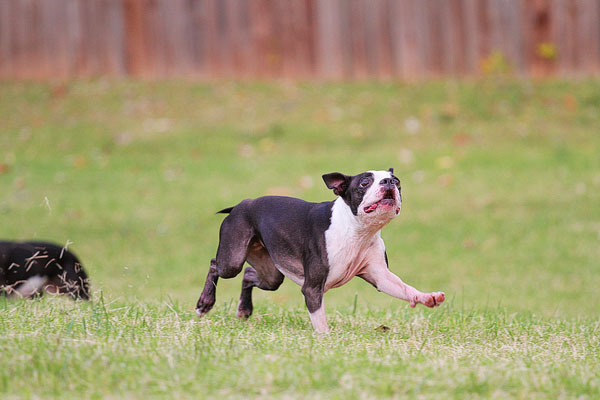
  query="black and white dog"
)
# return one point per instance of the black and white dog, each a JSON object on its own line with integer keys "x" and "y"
{"x": 319, "y": 246}
{"x": 30, "y": 268}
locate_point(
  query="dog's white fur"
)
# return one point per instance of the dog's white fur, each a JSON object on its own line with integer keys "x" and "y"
{"x": 31, "y": 286}
{"x": 319, "y": 319}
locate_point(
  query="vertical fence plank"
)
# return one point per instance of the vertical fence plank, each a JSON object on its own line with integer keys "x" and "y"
{"x": 61, "y": 58}
{"x": 570, "y": 32}
{"x": 505, "y": 19}
{"x": 357, "y": 39}
{"x": 208, "y": 34}
{"x": 114, "y": 31}
{"x": 538, "y": 20}
{"x": 135, "y": 46}
{"x": 260, "y": 31}
{"x": 19, "y": 16}
{"x": 237, "y": 34}
{"x": 472, "y": 36}
{"x": 382, "y": 46}
{"x": 435, "y": 41}
{"x": 404, "y": 38}
{"x": 455, "y": 33}
{"x": 197, "y": 39}
{"x": 297, "y": 49}
{"x": 588, "y": 35}
{"x": 396, "y": 46}
{"x": 6, "y": 55}
{"x": 483, "y": 32}
{"x": 31, "y": 44}
{"x": 73, "y": 37}
{"x": 328, "y": 39}
{"x": 91, "y": 45}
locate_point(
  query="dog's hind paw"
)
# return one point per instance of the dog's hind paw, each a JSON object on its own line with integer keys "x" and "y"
{"x": 243, "y": 312}
{"x": 204, "y": 306}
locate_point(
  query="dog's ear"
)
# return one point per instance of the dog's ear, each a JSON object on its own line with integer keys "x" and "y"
{"x": 338, "y": 182}
{"x": 391, "y": 171}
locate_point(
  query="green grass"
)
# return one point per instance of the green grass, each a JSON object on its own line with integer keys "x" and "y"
{"x": 501, "y": 190}
{"x": 136, "y": 350}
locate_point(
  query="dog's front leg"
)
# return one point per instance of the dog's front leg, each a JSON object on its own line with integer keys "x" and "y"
{"x": 313, "y": 289}
{"x": 316, "y": 307}
{"x": 379, "y": 275}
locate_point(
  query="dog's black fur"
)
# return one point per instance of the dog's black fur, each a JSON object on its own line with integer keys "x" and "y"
{"x": 58, "y": 267}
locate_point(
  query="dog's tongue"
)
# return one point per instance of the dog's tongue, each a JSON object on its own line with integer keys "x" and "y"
{"x": 371, "y": 208}
{"x": 383, "y": 202}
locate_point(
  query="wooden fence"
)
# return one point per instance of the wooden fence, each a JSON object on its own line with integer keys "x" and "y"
{"x": 330, "y": 39}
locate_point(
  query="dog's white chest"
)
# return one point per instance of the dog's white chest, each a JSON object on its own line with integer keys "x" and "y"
{"x": 348, "y": 250}
{"x": 346, "y": 260}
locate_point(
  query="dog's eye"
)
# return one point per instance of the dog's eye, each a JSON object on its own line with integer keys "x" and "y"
{"x": 396, "y": 181}
{"x": 364, "y": 183}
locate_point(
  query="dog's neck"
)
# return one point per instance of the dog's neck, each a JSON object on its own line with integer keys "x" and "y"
{"x": 356, "y": 226}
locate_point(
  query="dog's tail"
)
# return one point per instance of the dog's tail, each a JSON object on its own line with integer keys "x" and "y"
{"x": 225, "y": 210}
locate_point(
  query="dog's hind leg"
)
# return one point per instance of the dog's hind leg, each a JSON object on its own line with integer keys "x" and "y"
{"x": 262, "y": 275}
{"x": 207, "y": 298}
{"x": 234, "y": 238}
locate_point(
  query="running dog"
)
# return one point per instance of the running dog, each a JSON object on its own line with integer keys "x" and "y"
{"x": 319, "y": 246}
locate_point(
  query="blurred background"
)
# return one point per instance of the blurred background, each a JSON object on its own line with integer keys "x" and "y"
{"x": 303, "y": 39}
{"x": 125, "y": 124}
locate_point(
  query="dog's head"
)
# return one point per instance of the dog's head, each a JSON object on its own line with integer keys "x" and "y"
{"x": 372, "y": 193}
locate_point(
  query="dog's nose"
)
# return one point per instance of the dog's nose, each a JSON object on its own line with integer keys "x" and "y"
{"x": 388, "y": 183}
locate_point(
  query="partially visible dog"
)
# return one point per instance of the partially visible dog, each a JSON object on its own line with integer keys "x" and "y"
{"x": 31, "y": 268}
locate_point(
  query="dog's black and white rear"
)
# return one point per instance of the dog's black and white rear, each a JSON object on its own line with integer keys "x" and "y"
{"x": 31, "y": 268}
{"x": 319, "y": 246}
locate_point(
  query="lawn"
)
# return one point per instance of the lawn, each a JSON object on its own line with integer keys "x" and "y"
{"x": 501, "y": 210}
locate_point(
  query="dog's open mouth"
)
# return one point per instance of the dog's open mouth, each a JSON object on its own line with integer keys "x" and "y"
{"x": 388, "y": 200}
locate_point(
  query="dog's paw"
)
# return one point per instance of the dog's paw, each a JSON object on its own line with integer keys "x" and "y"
{"x": 204, "y": 305}
{"x": 243, "y": 314}
{"x": 428, "y": 299}
{"x": 244, "y": 310}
